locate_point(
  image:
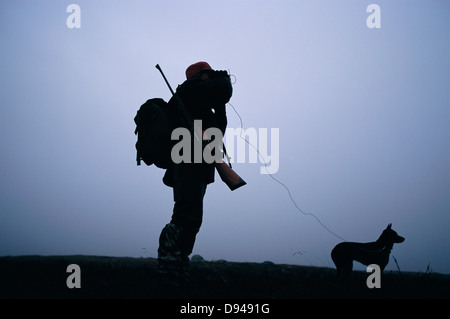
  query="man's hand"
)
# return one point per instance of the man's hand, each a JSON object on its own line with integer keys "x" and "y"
{"x": 218, "y": 74}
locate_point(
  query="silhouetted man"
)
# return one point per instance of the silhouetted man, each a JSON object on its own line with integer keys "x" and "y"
{"x": 204, "y": 94}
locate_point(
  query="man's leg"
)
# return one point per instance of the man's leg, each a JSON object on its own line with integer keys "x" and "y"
{"x": 169, "y": 253}
{"x": 178, "y": 237}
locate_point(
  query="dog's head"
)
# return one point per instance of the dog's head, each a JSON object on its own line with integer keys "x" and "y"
{"x": 390, "y": 236}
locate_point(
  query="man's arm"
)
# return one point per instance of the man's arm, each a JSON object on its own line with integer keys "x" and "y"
{"x": 206, "y": 94}
{"x": 221, "y": 118}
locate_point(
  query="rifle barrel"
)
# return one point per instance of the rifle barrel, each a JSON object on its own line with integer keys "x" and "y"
{"x": 164, "y": 77}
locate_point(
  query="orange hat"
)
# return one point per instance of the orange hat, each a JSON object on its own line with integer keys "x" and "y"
{"x": 196, "y": 69}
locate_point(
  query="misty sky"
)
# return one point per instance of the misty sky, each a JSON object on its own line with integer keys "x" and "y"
{"x": 363, "y": 118}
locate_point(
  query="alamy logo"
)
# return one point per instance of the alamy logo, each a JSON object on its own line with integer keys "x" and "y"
{"x": 74, "y": 19}
{"x": 257, "y": 145}
{"x": 74, "y": 279}
{"x": 374, "y": 279}
{"x": 374, "y": 19}
{"x": 208, "y": 144}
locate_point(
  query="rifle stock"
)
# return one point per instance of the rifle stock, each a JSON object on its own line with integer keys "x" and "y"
{"x": 226, "y": 173}
{"x": 229, "y": 176}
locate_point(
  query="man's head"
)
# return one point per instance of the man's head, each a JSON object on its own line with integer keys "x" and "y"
{"x": 197, "y": 69}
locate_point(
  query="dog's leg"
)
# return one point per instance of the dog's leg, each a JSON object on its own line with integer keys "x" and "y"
{"x": 338, "y": 271}
{"x": 347, "y": 270}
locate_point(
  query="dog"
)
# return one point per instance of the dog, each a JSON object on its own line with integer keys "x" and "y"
{"x": 376, "y": 252}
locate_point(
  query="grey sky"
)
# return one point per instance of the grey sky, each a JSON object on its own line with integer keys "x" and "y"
{"x": 363, "y": 119}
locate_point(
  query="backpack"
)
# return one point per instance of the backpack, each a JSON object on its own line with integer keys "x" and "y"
{"x": 153, "y": 132}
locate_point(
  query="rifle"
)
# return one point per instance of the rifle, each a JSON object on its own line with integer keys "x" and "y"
{"x": 226, "y": 173}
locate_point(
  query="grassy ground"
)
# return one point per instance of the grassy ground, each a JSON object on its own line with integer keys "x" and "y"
{"x": 42, "y": 277}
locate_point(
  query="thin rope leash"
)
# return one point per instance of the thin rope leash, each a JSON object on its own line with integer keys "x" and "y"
{"x": 281, "y": 183}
